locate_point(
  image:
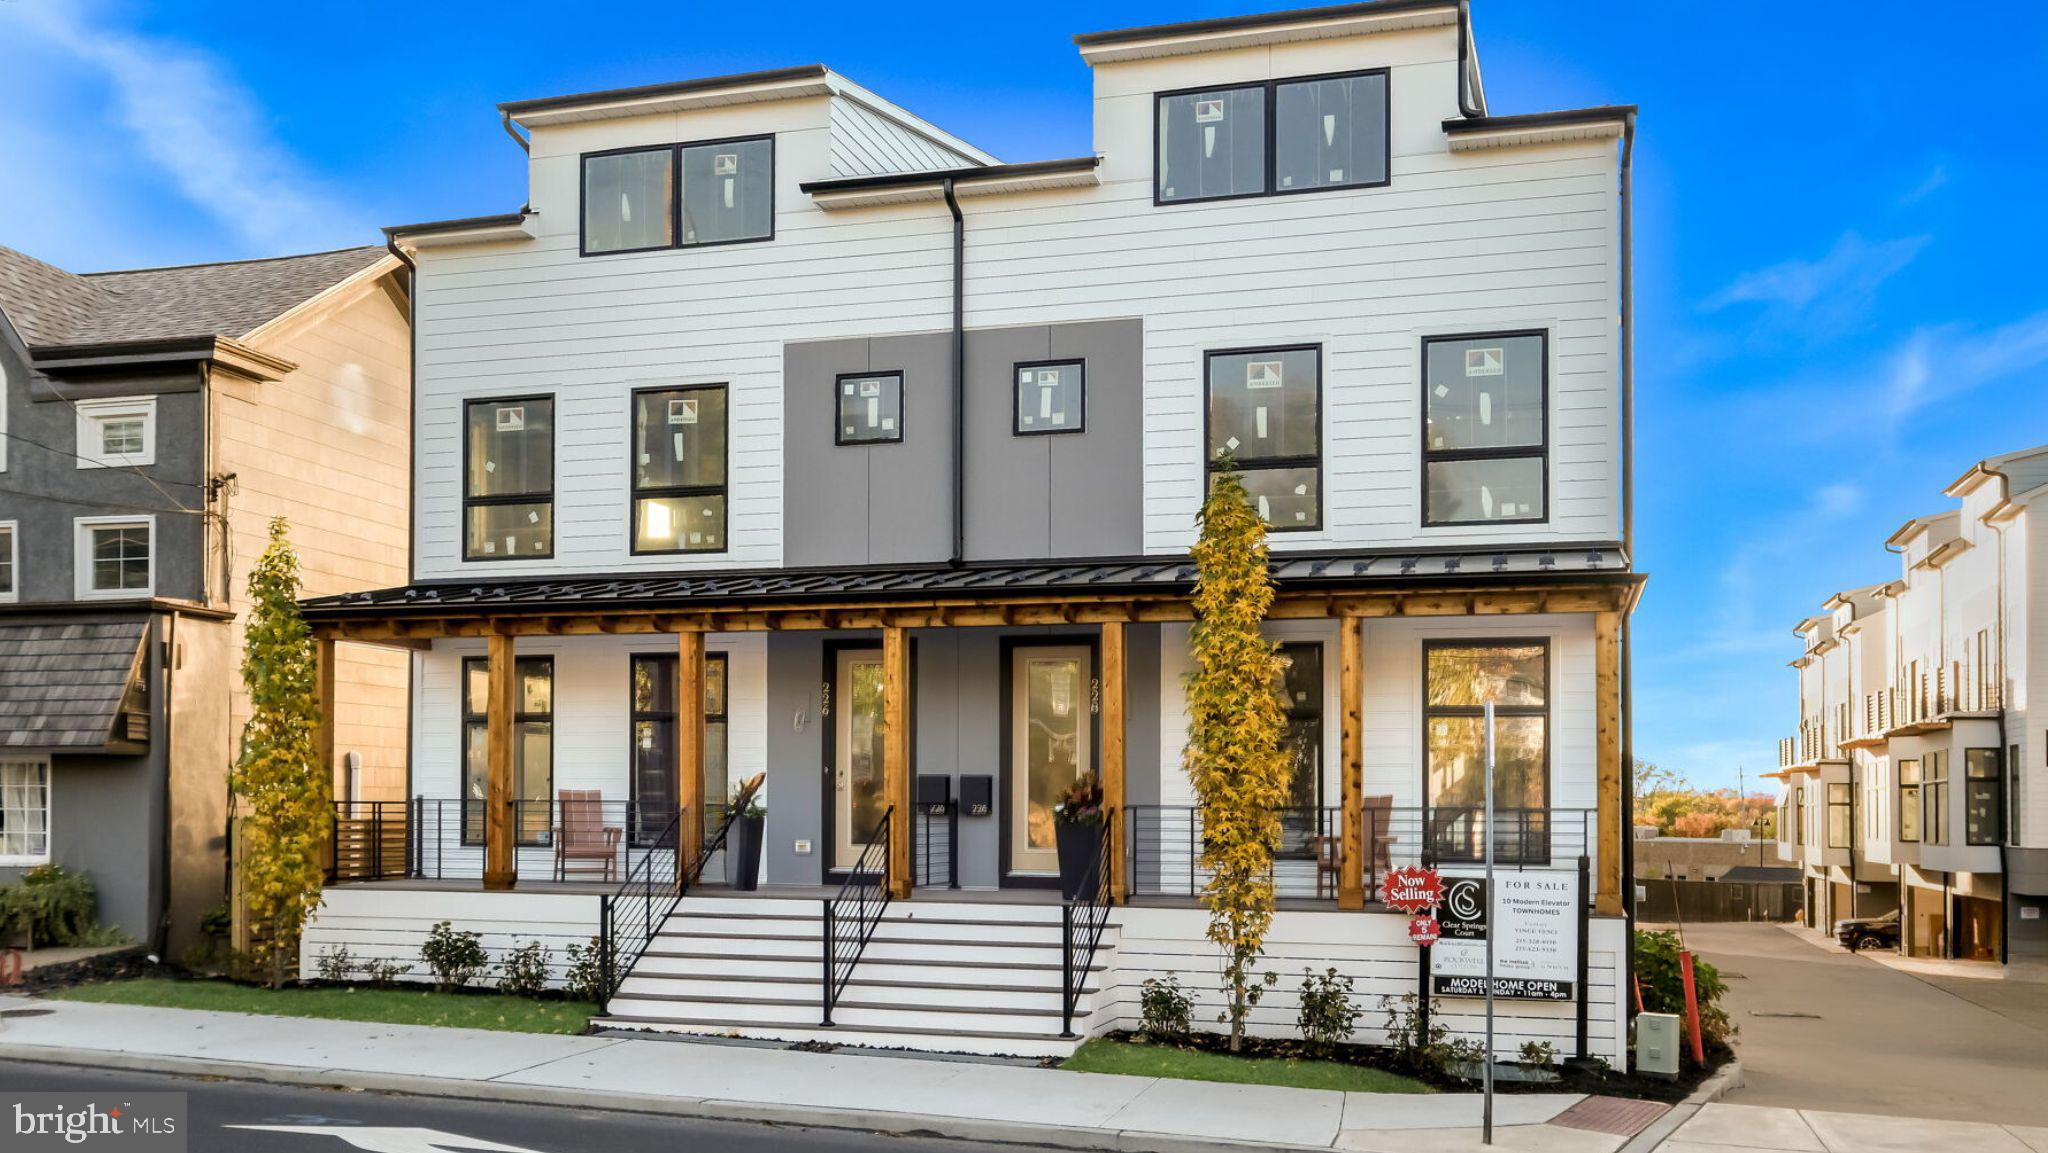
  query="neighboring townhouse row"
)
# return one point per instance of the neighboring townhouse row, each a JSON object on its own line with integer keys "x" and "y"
{"x": 1916, "y": 782}
{"x": 783, "y": 432}
{"x": 152, "y": 422}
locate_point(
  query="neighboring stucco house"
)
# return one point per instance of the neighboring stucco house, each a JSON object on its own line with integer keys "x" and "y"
{"x": 154, "y": 421}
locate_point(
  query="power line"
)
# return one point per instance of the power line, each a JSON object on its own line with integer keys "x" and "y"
{"x": 65, "y": 452}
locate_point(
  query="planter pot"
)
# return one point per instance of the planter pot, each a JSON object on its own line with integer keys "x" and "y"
{"x": 1080, "y": 864}
{"x": 743, "y": 853}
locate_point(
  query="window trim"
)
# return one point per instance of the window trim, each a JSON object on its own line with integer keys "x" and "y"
{"x": 1842, "y": 808}
{"x": 675, "y": 208}
{"x": 1272, "y": 88}
{"x": 469, "y": 502}
{"x": 1547, "y": 712}
{"x": 635, "y": 493}
{"x": 1210, "y": 466}
{"x": 902, "y": 407}
{"x": 1449, "y": 456}
{"x": 1081, "y": 365}
{"x": 12, "y": 530}
{"x": 635, "y": 716}
{"x": 93, "y": 414}
{"x": 82, "y": 558}
{"x": 463, "y": 720}
{"x": 49, "y": 853}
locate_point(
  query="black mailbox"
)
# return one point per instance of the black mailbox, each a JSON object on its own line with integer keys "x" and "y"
{"x": 934, "y": 795}
{"x": 977, "y": 796}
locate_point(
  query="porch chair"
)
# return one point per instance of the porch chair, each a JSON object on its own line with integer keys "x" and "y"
{"x": 1379, "y": 812}
{"x": 582, "y": 837}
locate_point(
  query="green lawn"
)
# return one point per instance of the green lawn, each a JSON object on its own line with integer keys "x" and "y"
{"x": 1138, "y": 1060}
{"x": 402, "y": 1006}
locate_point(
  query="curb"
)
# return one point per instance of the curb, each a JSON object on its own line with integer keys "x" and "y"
{"x": 811, "y": 1116}
{"x": 1725, "y": 1080}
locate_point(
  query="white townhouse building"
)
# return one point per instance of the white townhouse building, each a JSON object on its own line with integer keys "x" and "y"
{"x": 1915, "y": 782}
{"x": 783, "y": 432}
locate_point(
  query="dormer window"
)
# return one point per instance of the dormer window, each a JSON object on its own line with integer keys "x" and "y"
{"x": 1282, "y": 136}
{"x": 631, "y": 201}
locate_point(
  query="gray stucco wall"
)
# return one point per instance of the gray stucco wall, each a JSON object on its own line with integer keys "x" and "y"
{"x": 1062, "y": 495}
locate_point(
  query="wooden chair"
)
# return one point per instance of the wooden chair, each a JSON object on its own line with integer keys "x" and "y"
{"x": 1379, "y": 813}
{"x": 582, "y": 837}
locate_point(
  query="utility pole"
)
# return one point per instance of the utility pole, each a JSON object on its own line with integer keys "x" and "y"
{"x": 1486, "y": 1060}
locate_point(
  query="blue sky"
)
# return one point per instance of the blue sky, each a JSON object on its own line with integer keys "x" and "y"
{"x": 1839, "y": 236}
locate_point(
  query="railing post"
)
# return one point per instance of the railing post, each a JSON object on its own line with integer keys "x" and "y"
{"x": 604, "y": 951}
{"x": 1067, "y": 969}
{"x": 1585, "y": 908}
{"x": 826, "y": 938}
{"x": 953, "y": 844}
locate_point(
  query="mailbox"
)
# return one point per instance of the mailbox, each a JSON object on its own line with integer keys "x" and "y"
{"x": 977, "y": 796}
{"x": 934, "y": 795}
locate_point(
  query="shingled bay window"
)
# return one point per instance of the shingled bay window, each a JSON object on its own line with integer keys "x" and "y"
{"x": 508, "y": 498}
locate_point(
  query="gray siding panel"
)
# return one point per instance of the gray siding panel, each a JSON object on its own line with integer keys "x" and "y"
{"x": 910, "y": 483}
{"x": 796, "y": 762}
{"x": 1008, "y": 476}
{"x": 826, "y": 513}
{"x": 1096, "y": 483}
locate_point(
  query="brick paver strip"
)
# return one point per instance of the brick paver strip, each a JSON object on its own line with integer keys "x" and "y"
{"x": 1621, "y": 1116}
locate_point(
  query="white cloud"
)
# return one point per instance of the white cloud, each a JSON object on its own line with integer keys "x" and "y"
{"x": 1928, "y": 186}
{"x": 1939, "y": 362}
{"x": 193, "y": 122}
{"x": 1838, "y": 284}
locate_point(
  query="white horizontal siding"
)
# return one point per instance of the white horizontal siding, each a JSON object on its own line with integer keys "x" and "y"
{"x": 866, "y": 143}
{"x": 380, "y": 924}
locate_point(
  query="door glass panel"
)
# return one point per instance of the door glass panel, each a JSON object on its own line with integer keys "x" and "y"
{"x": 859, "y": 782}
{"x": 1051, "y": 747}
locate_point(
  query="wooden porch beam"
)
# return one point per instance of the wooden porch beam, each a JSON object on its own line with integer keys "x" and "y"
{"x": 1351, "y": 761}
{"x": 690, "y": 798}
{"x": 896, "y": 755}
{"x": 501, "y": 860}
{"x": 1607, "y": 762}
{"x": 1114, "y": 713}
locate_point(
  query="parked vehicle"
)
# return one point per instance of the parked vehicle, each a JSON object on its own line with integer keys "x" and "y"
{"x": 1869, "y": 932}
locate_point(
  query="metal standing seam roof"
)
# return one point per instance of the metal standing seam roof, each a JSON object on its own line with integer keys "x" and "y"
{"x": 61, "y": 685}
{"x": 1140, "y": 575}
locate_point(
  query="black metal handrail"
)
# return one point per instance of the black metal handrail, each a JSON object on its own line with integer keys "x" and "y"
{"x": 369, "y": 841}
{"x": 629, "y": 916}
{"x": 1082, "y": 919}
{"x": 861, "y": 901}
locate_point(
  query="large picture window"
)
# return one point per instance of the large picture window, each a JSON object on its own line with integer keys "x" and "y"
{"x": 1281, "y": 136}
{"x": 533, "y": 747}
{"x": 1265, "y": 420}
{"x": 654, "y": 744}
{"x": 1983, "y": 811}
{"x": 508, "y": 495}
{"x": 1460, "y": 678}
{"x": 679, "y": 195}
{"x": 679, "y": 469}
{"x": 1484, "y": 456}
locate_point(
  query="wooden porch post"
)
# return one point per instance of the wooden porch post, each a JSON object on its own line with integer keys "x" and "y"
{"x": 501, "y": 853}
{"x": 690, "y": 798}
{"x": 323, "y": 695}
{"x": 896, "y": 755}
{"x": 1607, "y": 781}
{"x": 1351, "y": 761}
{"x": 1113, "y": 720}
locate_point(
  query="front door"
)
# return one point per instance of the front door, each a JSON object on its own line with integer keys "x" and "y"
{"x": 857, "y": 790}
{"x": 1051, "y": 746}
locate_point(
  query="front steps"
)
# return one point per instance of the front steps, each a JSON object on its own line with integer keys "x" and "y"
{"x": 937, "y": 976}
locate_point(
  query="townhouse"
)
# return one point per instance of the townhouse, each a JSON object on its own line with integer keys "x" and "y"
{"x": 152, "y": 422}
{"x": 783, "y": 432}
{"x": 1914, "y": 783}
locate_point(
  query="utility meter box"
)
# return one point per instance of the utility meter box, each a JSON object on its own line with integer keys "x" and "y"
{"x": 1657, "y": 1045}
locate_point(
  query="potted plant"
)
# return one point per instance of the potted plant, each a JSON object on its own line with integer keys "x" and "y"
{"x": 743, "y": 840}
{"x": 1077, "y": 832}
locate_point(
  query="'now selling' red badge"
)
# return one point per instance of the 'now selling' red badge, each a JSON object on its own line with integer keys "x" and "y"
{"x": 1424, "y": 930}
{"x": 1411, "y": 889}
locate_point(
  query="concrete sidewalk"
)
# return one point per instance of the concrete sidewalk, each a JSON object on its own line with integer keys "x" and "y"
{"x": 1721, "y": 1128}
{"x": 963, "y": 1099}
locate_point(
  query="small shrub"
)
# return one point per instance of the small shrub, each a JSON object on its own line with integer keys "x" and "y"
{"x": 335, "y": 963}
{"x": 55, "y": 905}
{"x": 1167, "y": 1010}
{"x": 524, "y": 971}
{"x": 1426, "y": 1050}
{"x": 384, "y": 972}
{"x": 1663, "y": 986}
{"x": 454, "y": 956}
{"x": 583, "y": 979}
{"x": 1538, "y": 1054}
{"x": 1328, "y": 1015}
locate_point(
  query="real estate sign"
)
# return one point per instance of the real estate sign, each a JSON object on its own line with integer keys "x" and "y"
{"x": 1533, "y": 918}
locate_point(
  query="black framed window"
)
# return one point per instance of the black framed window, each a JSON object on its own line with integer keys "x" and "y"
{"x": 1303, "y": 134}
{"x": 2012, "y": 792}
{"x": 686, "y": 195}
{"x": 1983, "y": 805}
{"x": 1934, "y": 798}
{"x": 654, "y": 742}
{"x": 1909, "y": 801}
{"x": 1303, "y": 737}
{"x": 1265, "y": 421}
{"x": 1485, "y": 428}
{"x": 508, "y": 495}
{"x": 1460, "y": 677}
{"x": 1838, "y": 815}
{"x": 870, "y": 408}
{"x": 679, "y": 469}
{"x": 533, "y": 746}
{"x": 1051, "y": 397}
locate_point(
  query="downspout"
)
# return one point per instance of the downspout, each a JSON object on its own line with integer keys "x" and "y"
{"x": 959, "y": 556}
{"x": 1465, "y": 105}
{"x": 505, "y": 120}
{"x": 413, "y": 659}
{"x": 2006, "y": 772}
{"x": 1628, "y": 336}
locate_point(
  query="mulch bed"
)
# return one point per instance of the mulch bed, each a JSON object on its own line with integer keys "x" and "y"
{"x": 121, "y": 966}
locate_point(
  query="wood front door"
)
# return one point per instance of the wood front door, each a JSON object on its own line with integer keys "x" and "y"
{"x": 857, "y": 786}
{"x": 1052, "y": 744}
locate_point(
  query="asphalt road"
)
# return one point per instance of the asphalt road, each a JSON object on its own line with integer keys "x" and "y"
{"x": 307, "y": 1120}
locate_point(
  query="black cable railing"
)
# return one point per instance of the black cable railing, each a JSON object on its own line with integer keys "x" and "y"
{"x": 851, "y": 916}
{"x": 629, "y": 917}
{"x": 1082, "y": 920}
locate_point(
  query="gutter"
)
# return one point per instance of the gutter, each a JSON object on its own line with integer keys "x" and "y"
{"x": 959, "y": 555}
{"x": 412, "y": 392}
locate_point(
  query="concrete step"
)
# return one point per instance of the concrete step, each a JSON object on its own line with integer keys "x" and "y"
{"x": 809, "y": 968}
{"x": 863, "y": 986}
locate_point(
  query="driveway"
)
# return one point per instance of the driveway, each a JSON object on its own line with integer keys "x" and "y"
{"x": 1822, "y": 1029}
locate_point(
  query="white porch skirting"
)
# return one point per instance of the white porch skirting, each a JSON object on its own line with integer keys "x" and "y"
{"x": 388, "y": 924}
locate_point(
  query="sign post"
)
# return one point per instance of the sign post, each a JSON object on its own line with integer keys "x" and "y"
{"x": 1486, "y": 1059}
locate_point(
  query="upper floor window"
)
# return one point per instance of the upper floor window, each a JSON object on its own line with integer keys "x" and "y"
{"x": 116, "y": 433}
{"x": 1934, "y": 798}
{"x": 1265, "y": 421}
{"x": 1051, "y": 397}
{"x": 8, "y": 563}
{"x": 115, "y": 557}
{"x": 1983, "y": 811}
{"x": 1484, "y": 453}
{"x": 870, "y": 408}
{"x": 1279, "y": 136}
{"x": 679, "y": 439}
{"x": 1838, "y": 815}
{"x": 1909, "y": 800}
{"x": 714, "y": 192}
{"x": 508, "y": 496}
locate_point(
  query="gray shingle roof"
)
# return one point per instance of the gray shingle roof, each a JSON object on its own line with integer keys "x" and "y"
{"x": 61, "y": 685}
{"x": 53, "y": 308}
